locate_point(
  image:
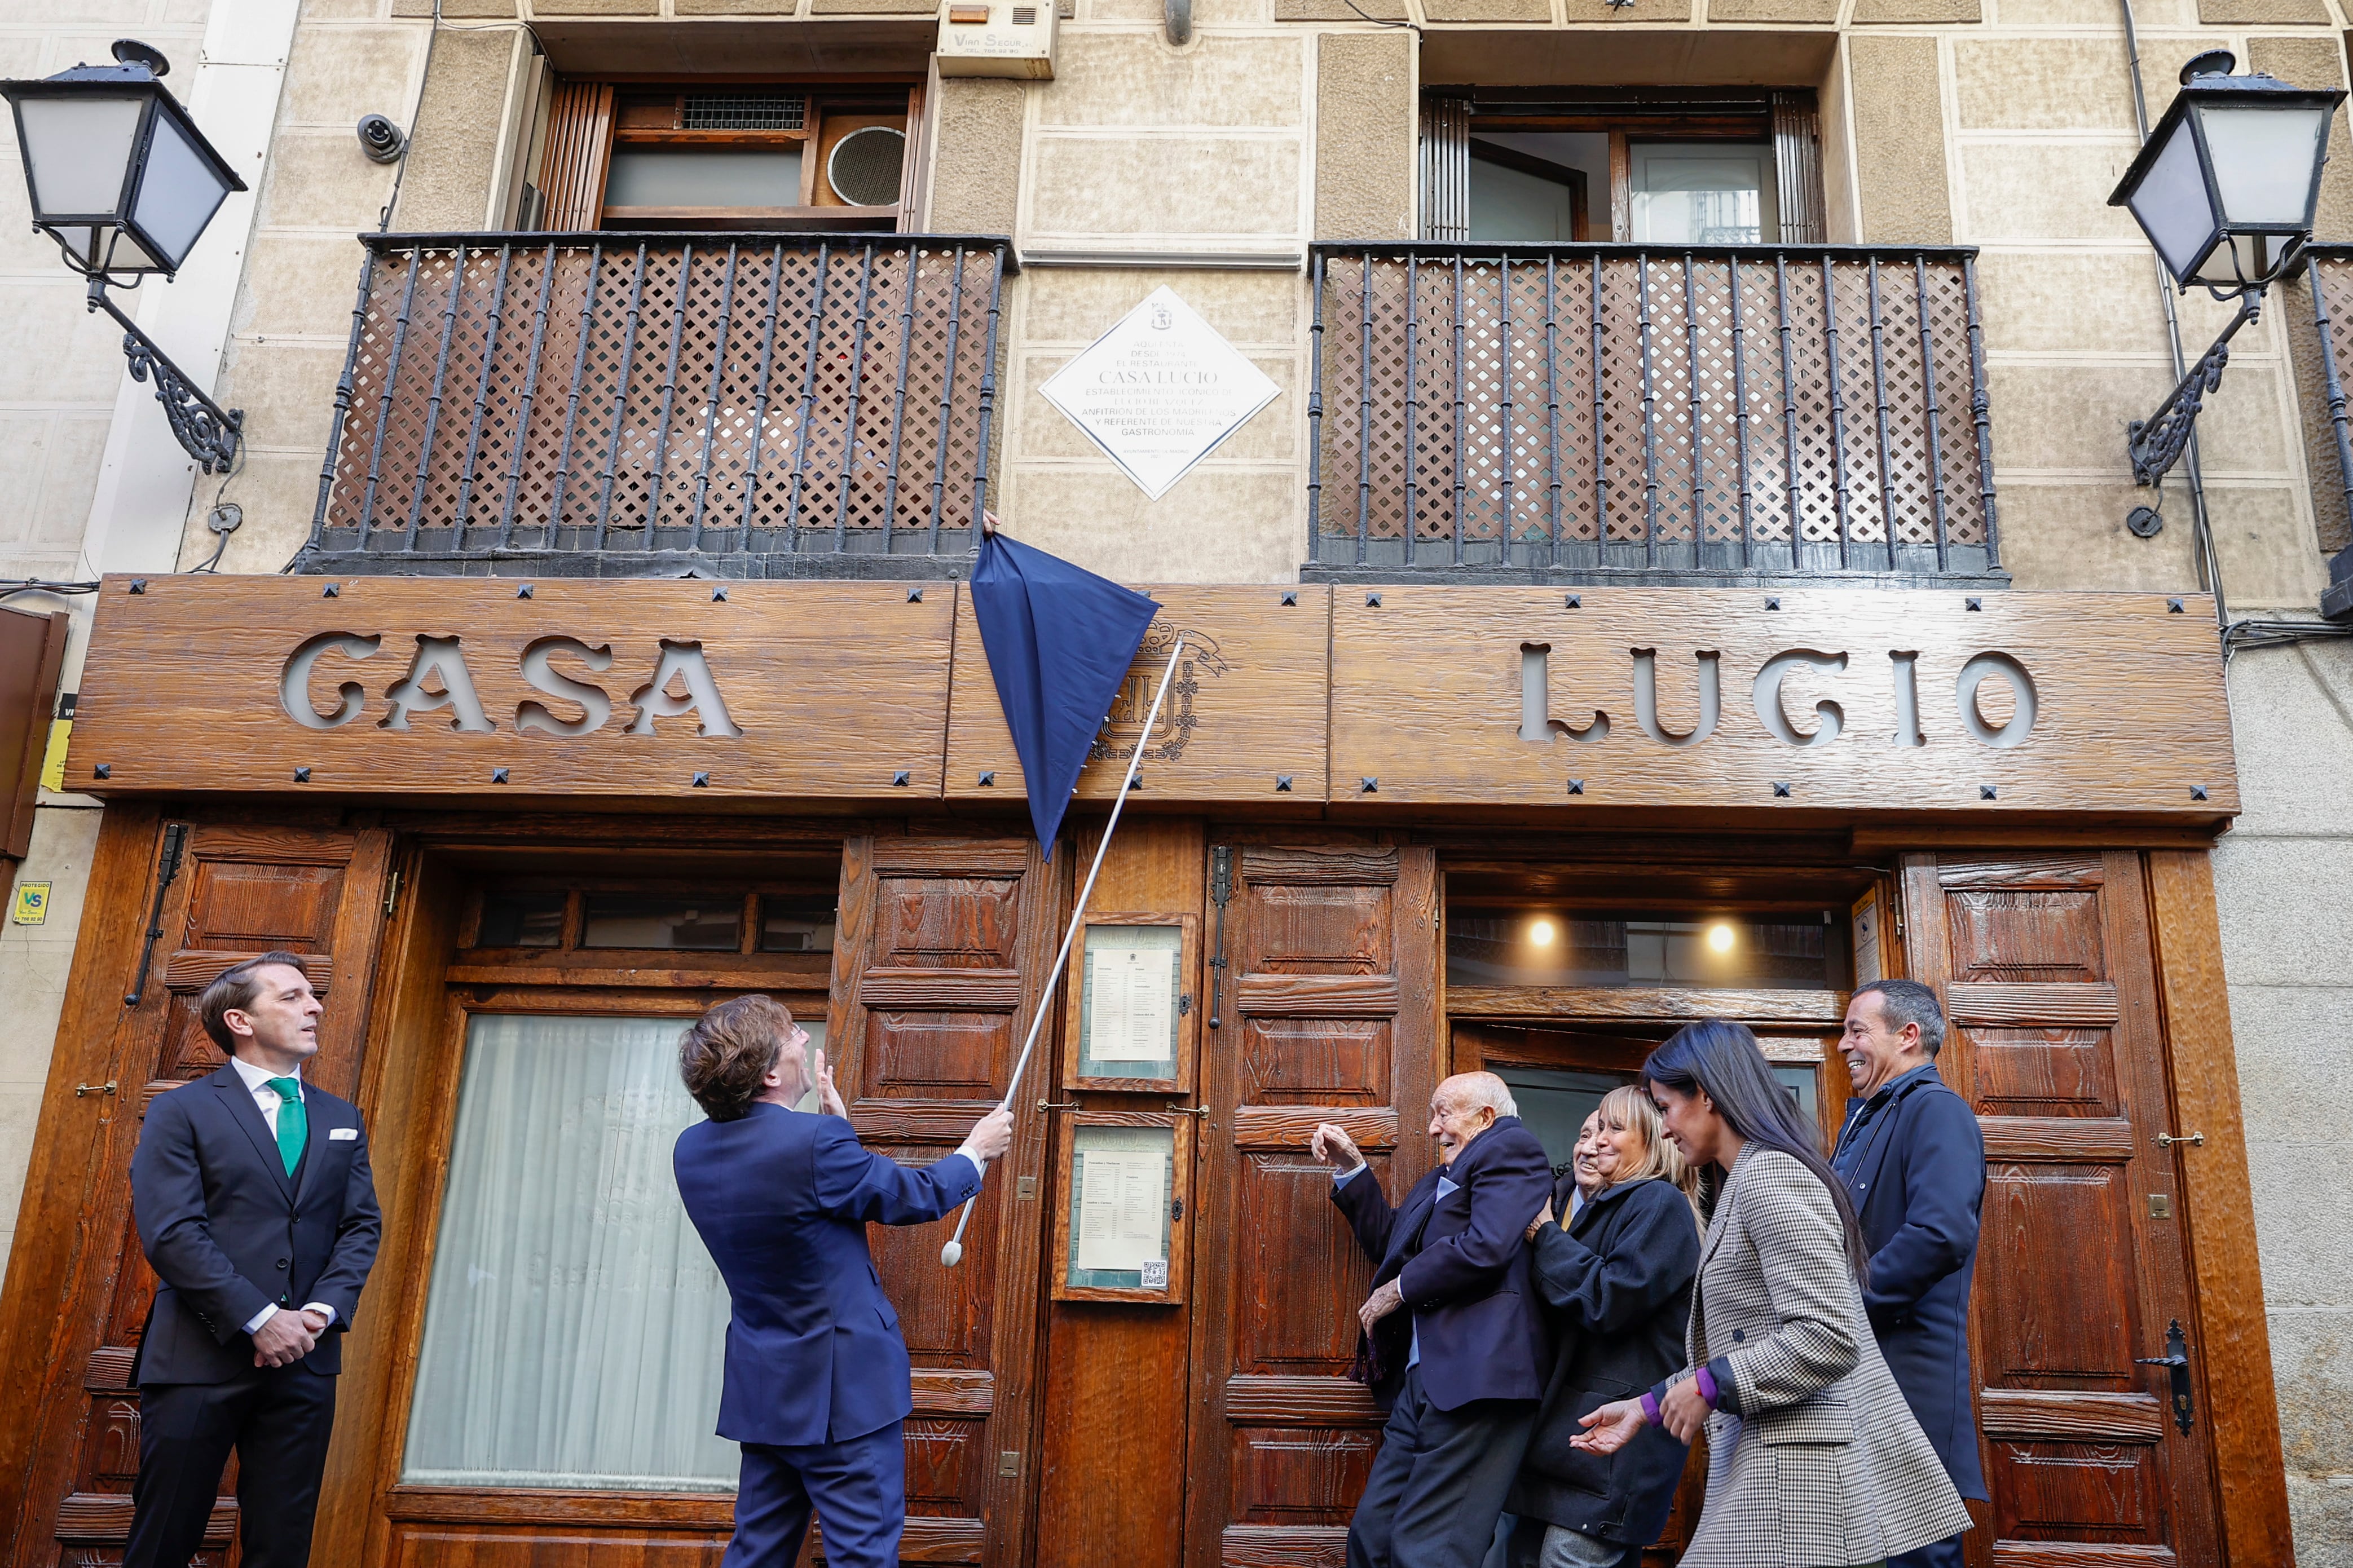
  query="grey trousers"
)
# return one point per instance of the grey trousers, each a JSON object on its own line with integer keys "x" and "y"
{"x": 1438, "y": 1482}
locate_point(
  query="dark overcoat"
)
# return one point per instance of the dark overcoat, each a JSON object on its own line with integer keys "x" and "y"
{"x": 1618, "y": 1284}
{"x": 1917, "y": 1178}
{"x": 1462, "y": 1266}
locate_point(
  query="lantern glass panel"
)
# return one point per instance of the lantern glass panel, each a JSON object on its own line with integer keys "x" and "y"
{"x": 2264, "y": 160}
{"x": 77, "y": 151}
{"x": 178, "y": 194}
{"x": 2172, "y": 201}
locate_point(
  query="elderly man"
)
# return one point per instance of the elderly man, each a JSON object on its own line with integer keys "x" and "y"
{"x": 1913, "y": 1160}
{"x": 1453, "y": 1343}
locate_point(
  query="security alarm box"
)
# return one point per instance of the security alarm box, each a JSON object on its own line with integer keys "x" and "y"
{"x": 998, "y": 37}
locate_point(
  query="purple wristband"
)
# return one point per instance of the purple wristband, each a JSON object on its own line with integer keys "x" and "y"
{"x": 1650, "y": 1410}
{"x": 1706, "y": 1382}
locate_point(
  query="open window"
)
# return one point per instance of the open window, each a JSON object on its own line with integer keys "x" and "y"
{"x": 1646, "y": 165}
{"x": 725, "y": 155}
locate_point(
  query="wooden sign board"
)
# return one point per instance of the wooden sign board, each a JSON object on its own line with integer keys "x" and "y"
{"x": 1245, "y": 711}
{"x": 1884, "y": 703}
{"x": 645, "y": 687}
{"x": 1854, "y": 702}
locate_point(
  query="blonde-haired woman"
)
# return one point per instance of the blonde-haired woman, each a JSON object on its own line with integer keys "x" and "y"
{"x": 1618, "y": 1280}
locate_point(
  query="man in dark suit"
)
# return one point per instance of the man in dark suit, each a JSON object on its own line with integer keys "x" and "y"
{"x": 256, "y": 1207}
{"x": 818, "y": 1383}
{"x": 1912, "y": 1158}
{"x": 1454, "y": 1343}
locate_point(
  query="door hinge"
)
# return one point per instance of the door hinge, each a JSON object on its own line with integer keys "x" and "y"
{"x": 175, "y": 844}
{"x": 391, "y": 891}
{"x": 1221, "y": 892}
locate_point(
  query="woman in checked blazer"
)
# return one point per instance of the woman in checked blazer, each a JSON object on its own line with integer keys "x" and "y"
{"x": 1814, "y": 1459}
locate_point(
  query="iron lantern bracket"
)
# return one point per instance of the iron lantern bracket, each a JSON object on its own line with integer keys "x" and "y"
{"x": 2156, "y": 442}
{"x": 206, "y": 431}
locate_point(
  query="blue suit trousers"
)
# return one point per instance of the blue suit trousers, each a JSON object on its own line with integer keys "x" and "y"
{"x": 857, "y": 1488}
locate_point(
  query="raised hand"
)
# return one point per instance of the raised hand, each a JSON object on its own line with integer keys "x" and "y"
{"x": 992, "y": 1135}
{"x": 829, "y": 1095}
{"x": 1333, "y": 1145}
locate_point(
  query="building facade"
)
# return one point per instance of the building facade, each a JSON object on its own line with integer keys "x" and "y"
{"x": 1695, "y": 500}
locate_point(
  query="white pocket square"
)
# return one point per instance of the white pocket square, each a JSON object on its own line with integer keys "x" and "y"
{"x": 342, "y": 1134}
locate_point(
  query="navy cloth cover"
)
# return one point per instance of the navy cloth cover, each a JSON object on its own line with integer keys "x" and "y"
{"x": 1059, "y": 640}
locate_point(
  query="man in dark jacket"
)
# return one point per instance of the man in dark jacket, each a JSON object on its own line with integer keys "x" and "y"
{"x": 1618, "y": 1280}
{"x": 1912, "y": 1158}
{"x": 1453, "y": 1343}
{"x": 817, "y": 1386}
{"x": 256, "y": 1208}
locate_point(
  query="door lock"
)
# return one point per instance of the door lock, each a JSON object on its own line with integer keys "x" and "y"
{"x": 2175, "y": 1360}
{"x": 1177, "y": 1109}
{"x": 2168, "y": 1139}
{"x": 109, "y": 1087}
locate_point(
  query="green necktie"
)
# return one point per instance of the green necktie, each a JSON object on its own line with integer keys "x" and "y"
{"x": 293, "y": 1124}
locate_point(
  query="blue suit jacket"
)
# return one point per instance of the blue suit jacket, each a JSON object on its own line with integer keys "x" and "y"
{"x": 1462, "y": 1264}
{"x": 230, "y": 1232}
{"x": 1917, "y": 1187}
{"x": 782, "y": 1199}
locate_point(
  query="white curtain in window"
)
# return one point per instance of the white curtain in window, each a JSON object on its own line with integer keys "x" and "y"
{"x": 574, "y": 1328}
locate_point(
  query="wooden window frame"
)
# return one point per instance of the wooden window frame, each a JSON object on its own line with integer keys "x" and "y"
{"x": 1188, "y": 1011}
{"x": 1788, "y": 119}
{"x": 589, "y": 119}
{"x": 1179, "y": 1124}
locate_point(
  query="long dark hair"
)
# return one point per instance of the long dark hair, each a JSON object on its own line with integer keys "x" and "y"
{"x": 1720, "y": 1058}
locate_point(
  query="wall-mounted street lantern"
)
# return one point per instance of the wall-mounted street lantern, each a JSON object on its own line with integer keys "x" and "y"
{"x": 2225, "y": 188}
{"x": 124, "y": 182}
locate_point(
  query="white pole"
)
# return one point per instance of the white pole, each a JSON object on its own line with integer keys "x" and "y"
{"x": 953, "y": 1253}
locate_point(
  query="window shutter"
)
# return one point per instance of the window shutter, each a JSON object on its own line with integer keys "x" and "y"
{"x": 1445, "y": 167}
{"x": 1798, "y": 156}
{"x": 579, "y": 152}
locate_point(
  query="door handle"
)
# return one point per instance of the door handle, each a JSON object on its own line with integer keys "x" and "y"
{"x": 2175, "y": 1360}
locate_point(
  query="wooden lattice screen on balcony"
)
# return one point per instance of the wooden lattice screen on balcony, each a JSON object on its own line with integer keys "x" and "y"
{"x": 598, "y": 403}
{"x": 1807, "y": 410}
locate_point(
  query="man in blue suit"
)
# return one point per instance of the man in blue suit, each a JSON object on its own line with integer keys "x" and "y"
{"x": 817, "y": 1386}
{"x": 1912, "y": 1158}
{"x": 1455, "y": 1345}
{"x": 255, "y": 1206}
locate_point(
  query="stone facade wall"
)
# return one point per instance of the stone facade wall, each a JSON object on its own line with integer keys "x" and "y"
{"x": 61, "y": 371}
{"x": 1209, "y": 167}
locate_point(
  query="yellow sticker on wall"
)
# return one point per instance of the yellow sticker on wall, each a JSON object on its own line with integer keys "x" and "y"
{"x": 53, "y": 763}
{"x": 31, "y": 906}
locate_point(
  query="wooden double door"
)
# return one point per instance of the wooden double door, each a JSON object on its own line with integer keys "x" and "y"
{"x": 1219, "y": 1430}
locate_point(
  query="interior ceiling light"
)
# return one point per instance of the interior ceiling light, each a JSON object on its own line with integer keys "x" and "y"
{"x": 1719, "y": 937}
{"x": 1541, "y": 932}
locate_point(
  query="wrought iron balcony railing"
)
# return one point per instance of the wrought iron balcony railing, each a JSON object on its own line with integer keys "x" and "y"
{"x": 1590, "y": 412}
{"x": 2332, "y": 309}
{"x": 615, "y": 405}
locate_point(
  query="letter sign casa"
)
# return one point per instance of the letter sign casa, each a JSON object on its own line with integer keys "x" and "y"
{"x": 438, "y": 679}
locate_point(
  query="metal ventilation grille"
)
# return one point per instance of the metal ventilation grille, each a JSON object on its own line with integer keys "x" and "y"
{"x": 1025, "y": 15}
{"x": 745, "y": 111}
{"x": 864, "y": 167}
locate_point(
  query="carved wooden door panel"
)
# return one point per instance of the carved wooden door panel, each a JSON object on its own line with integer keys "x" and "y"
{"x": 239, "y": 891}
{"x": 2046, "y": 967}
{"x": 1329, "y": 1013}
{"x": 944, "y": 951}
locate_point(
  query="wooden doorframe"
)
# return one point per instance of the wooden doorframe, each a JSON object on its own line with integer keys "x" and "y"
{"x": 2216, "y": 1186}
{"x": 409, "y": 1096}
{"x": 52, "y": 1245}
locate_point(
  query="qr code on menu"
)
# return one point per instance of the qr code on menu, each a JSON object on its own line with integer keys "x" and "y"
{"x": 1156, "y": 1274}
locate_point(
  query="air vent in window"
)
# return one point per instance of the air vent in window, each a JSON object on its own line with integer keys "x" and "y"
{"x": 745, "y": 111}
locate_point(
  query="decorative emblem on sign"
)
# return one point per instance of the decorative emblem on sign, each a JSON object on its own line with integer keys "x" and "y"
{"x": 1159, "y": 391}
{"x": 1117, "y": 742}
